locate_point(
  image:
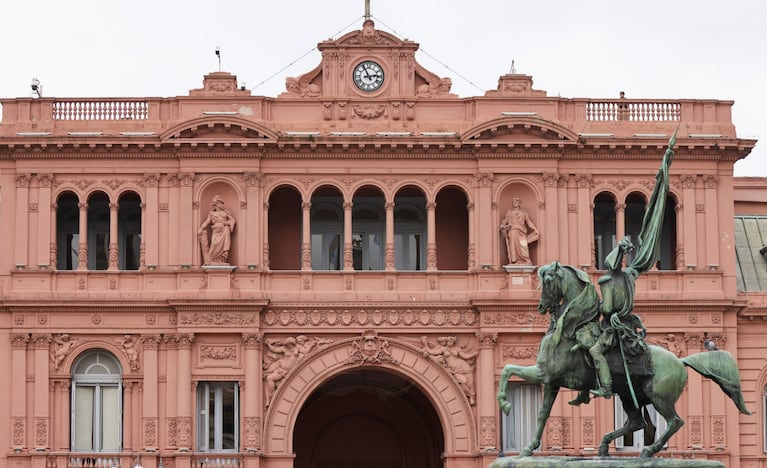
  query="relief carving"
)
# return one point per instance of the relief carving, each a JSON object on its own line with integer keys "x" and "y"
{"x": 150, "y": 432}
{"x": 218, "y": 353}
{"x": 218, "y": 318}
{"x": 282, "y": 356}
{"x": 370, "y": 348}
{"x": 368, "y": 111}
{"x": 252, "y": 432}
{"x": 370, "y": 317}
{"x": 19, "y": 429}
{"x": 487, "y": 432}
{"x": 459, "y": 360}
{"x": 62, "y": 345}
{"x": 215, "y": 247}
{"x": 128, "y": 344}
{"x": 434, "y": 86}
{"x": 513, "y": 319}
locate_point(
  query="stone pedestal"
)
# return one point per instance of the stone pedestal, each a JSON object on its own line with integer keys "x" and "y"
{"x": 218, "y": 277}
{"x": 601, "y": 462}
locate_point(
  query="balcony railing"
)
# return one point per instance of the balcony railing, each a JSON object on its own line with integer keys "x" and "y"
{"x": 95, "y": 109}
{"x": 98, "y": 461}
{"x": 633, "y": 111}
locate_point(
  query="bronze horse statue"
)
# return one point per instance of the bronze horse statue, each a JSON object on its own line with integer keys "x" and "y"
{"x": 570, "y": 298}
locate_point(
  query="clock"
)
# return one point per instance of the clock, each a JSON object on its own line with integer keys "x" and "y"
{"x": 368, "y": 76}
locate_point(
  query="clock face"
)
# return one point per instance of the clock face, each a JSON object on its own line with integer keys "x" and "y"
{"x": 368, "y": 76}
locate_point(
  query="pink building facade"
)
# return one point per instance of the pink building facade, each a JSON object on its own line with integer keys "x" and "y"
{"x": 318, "y": 279}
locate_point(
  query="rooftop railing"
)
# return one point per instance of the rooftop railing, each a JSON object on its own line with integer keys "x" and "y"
{"x": 633, "y": 111}
{"x": 82, "y": 109}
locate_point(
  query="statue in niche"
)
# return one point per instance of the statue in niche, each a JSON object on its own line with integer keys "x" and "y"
{"x": 221, "y": 223}
{"x": 62, "y": 345}
{"x": 459, "y": 360}
{"x": 519, "y": 232}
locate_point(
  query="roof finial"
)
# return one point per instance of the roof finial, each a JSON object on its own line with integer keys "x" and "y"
{"x": 367, "y": 10}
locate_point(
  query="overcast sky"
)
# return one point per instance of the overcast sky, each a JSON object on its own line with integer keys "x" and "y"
{"x": 649, "y": 49}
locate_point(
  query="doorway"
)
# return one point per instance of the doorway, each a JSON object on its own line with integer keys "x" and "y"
{"x": 368, "y": 418}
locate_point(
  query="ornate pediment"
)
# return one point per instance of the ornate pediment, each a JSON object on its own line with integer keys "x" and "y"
{"x": 219, "y": 128}
{"x": 519, "y": 129}
{"x": 368, "y": 63}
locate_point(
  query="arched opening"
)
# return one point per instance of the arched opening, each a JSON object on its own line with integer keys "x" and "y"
{"x": 604, "y": 228}
{"x": 98, "y": 231}
{"x": 327, "y": 226}
{"x": 129, "y": 231}
{"x": 284, "y": 229}
{"x": 668, "y": 245}
{"x": 67, "y": 231}
{"x": 410, "y": 229}
{"x": 636, "y": 204}
{"x": 368, "y": 418}
{"x": 96, "y": 401}
{"x": 452, "y": 225}
{"x": 368, "y": 229}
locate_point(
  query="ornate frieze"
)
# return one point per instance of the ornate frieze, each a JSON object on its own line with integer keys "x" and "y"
{"x": 514, "y": 319}
{"x": 518, "y": 352}
{"x": 370, "y": 317}
{"x": 223, "y": 319}
{"x": 487, "y": 432}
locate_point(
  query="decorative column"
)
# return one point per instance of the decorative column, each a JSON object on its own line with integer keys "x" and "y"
{"x": 149, "y": 220}
{"x": 18, "y": 391}
{"x": 679, "y": 252}
{"x": 690, "y": 242}
{"x": 128, "y": 419}
{"x": 21, "y": 221}
{"x": 564, "y": 218}
{"x": 585, "y": 229}
{"x": 184, "y": 392}
{"x": 53, "y": 251}
{"x": 82, "y": 249}
{"x": 389, "y": 255}
{"x": 186, "y": 218}
{"x": 348, "y": 253}
{"x": 471, "y": 261}
{"x": 306, "y": 241}
{"x": 150, "y": 405}
{"x": 252, "y": 393}
{"x": 487, "y": 407}
{"x": 485, "y": 217}
{"x": 265, "y": 230}
{"x": 41, "y": 394}
{"x": 711, "y": 214}
{"x": 431, "y": 236}
{"x": 620, "y": 221}
{"x": 44, "y": 238}
{"x": 253, "y": 242}
{"x": 62, "y": 415}
{"x": 113, "y": 237}
{"x": 549, "y": 244}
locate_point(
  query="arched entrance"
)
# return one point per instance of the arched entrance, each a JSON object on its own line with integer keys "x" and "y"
{"x": 368, "y": 417}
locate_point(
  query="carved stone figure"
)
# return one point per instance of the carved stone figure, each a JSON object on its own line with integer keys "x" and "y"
{"x": 519, "y": 232}
{"x": 62, "y": 345}
{"x": 459, "y": 360}
{"x": 284, "y": 355}
{"x": 129, "y": 347}
{"x": 221, "y": 223}
{"x": 434, "y": 86}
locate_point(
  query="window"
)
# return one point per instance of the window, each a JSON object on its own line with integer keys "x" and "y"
{"x": 67, "y": 231}
{"x": 218, "y": 413}
{"x": 327, "y": 226}
{"x": 98, "y": 231}
{"x": 643, "y": 437}
{"x": 96, "y": 423}
{"x": 604, "y": 228}
{"x": 129, "y": 231}
{"x": 518, "y": 427}
{"x": 409, "y": 236}
{"x": 368, "y": 234}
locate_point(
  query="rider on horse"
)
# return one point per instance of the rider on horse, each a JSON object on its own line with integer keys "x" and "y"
{"x": 619, "y": 325}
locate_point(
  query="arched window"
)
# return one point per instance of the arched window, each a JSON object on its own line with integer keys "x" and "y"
{"x": 98, "y": 231}
{"x": 410, "y": 229}
{"x": 129, "y": 231}
{"x": 604, "y": 228}
{"x": 327, "y": 228}
{"x": 67, "y": 231}
{"x": 368, "y": 232}
{"x": 635, "y": 210}
{"x": 96, "y": 405}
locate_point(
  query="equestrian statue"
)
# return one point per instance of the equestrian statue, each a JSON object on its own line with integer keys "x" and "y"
{"x": 610, "y": 356}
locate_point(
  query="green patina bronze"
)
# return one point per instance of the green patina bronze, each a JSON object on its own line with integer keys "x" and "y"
{"x": 610, "y": 356}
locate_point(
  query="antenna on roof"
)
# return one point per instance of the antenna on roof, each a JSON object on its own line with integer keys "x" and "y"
{"x": 218, "y": 54}
{"x": 512, "y": 70}
{"x": 367, "y": 10}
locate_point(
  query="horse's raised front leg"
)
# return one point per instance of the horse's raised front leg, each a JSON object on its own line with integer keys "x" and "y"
{"x": 532, "y": 374}
{"x": 549, "y": 396}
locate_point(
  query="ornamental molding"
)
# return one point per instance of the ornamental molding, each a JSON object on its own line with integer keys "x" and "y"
{"x": 218, "y": 318}
{"x": 370, "y": 315}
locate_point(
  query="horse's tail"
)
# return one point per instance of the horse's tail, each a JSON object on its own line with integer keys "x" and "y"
{"x": 720, "y": 367}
